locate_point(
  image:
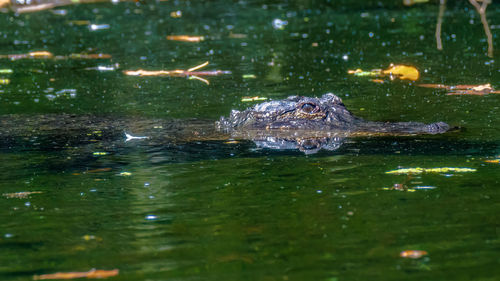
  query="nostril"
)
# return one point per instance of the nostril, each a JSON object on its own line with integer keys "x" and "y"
{"x": 437, "y": 128}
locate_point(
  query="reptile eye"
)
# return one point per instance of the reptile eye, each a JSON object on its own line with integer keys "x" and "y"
{"x": 309, "y": 107}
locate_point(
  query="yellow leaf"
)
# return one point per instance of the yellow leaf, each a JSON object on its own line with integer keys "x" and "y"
{"x": 419, "y": 170}
{"x": 403, "y": 72}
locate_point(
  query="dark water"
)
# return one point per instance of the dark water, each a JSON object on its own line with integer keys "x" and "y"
{"x": 223, "y": 211}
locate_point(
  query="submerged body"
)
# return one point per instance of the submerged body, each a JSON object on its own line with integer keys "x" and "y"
{"x": 296, "y": 122}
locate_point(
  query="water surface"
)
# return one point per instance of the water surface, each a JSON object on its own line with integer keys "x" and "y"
{"x": 232, "y": 211}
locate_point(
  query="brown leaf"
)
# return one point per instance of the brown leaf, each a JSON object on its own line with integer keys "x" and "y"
{"x": 93, "y": 273}
{"x": 186, "y": 38}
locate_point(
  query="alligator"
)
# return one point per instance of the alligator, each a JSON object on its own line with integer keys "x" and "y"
{"x": 297, "y": 122}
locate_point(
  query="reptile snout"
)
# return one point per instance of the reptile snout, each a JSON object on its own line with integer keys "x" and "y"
{"x": 437, "y": 128}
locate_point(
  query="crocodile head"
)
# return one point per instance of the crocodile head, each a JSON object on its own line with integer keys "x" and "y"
{"x": 292, "y": 113}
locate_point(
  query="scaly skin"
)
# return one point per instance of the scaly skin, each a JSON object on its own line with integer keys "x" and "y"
{"x": 325, "y": 114}
{"x": 304, "y": 123}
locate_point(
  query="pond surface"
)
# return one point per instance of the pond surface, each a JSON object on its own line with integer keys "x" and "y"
{"x": 232, "y": 211}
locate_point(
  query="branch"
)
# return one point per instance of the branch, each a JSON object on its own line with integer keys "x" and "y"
{"x": 481, "y": 9}
{"x": 442, "y": 8}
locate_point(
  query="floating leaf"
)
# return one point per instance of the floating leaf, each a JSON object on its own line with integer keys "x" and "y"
{"x": 93, "y": 273}
{"x": 78, "y": 22}
{"x": 413, "y": 254}
{"x": 100, "y": 170}
{"x": 237, "y": 35}
{"x": 419, "y": 170}
{"x": 403, "y": 187}
{"x": 49, "y": 55}
{"x": 256, "y": 98}
{"x": 186, "y": 38}
{"x": 20, "y": 195}
{"x": 4, "y": 81}
{"x": 126, "y": 174}
{"x": 475, "y": 90}
{"x": 359, "y": 72}
{"x": 379, "y": 81}
{"x": 413, "y": 2}
{"x": 402, "y": 72}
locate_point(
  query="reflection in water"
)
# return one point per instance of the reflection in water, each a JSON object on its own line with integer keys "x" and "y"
{"x": 245, "y": 208}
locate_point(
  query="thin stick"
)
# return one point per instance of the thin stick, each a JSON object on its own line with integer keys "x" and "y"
{"x": 200, "y": 79}
{"x": 198, "y": 67}
{"x": 481, "y": 9}
{"x": 442, "y": 8}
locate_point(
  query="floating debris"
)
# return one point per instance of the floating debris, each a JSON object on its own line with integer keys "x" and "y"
{"x": 49, "y": 55}
{"x": 93, "y": 273}
{"x": 419, "y": 170}
{"x": 126, "y": 174}
{"x": 237, "y": 35}
{"x": 99, "y": 170}
{"x": 413, "y": 2}
{"x": 6, "y": 71}
{"x": 473, "y": 90}
{"x": 190, "y": 73}
{"x": 104, "y": 68}
{"x": 79, "y": 22}
{"x": 249, "y": 76}
{"x": 403, "y": 72}
{"x": 360, "y": 72}
{"x": 494, "y": 161}
{"x": 403, "y": 187}
{"x": 413, "y": 254}
{"x": 176, "y": 14}
{"x": 129, "y": 137}
{"x": 185, "y": 38}
{"x": 20, "y": 195}
{"x": 99, "y": 153}
{"x": 4, "y": 81}
{"x": 256, "y": 98}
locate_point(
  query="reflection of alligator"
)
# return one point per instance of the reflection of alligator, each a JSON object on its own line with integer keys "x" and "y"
{"x": 296, "y": 122}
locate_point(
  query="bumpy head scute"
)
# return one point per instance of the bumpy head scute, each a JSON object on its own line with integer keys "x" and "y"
{"x": 294, "y": 112}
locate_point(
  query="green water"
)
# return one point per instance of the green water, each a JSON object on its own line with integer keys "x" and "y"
{"x": 218, "y": 211}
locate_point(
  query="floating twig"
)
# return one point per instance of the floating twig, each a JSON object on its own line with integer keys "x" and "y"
{"x": 190, "y": 73}
{"x": 49, "y": 55}
{"x": 477, "y": 90}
